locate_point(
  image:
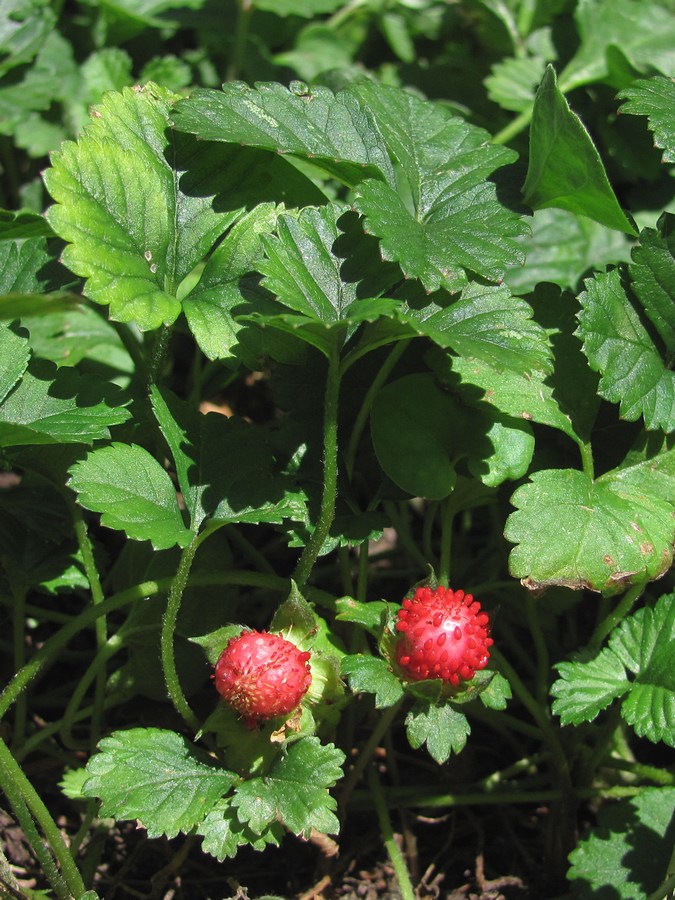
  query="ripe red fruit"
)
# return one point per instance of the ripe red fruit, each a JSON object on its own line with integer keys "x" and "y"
{"x": 262, "y": 675}
{"x": 443, "y": 635}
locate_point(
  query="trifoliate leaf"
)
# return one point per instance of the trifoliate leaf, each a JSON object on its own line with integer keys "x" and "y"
{"x": 565, "y": 170}
{"x": 442, "y": 728}
{"x": 335, "y": 131}
{"x": 601, "y": 534}
{"x": 620, "y": 348}
{"x": 626, "y": 856}
{"x": 157, "y": 777}
{"x": 294, "y": 790}
{"x": 455, "y": 223}
{"x": 15, "y": 354}
{"x": 655, "y": 98}
{"x": 372, "y": 675}
{"x": 133, "y": 493}
{"x": 224, "y": 834}
{"x": 59, "y": 406}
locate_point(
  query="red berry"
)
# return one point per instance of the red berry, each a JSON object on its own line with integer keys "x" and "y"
{"x": 262, "y": 675}
{"x": 443, "y": 635}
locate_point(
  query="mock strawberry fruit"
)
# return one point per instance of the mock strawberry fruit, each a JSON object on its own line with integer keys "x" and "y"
{"x": 444, "y": 635}
{"x": 262, "y": 675}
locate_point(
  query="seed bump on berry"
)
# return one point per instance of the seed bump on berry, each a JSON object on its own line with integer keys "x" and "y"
{"x": 425, "y": 623}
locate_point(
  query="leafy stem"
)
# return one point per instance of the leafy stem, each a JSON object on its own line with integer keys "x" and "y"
{"x": 330, "y": 474}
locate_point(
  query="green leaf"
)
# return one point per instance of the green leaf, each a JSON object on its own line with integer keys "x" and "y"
{"x": 655, "y": 98}
{"x": 157, "y": 777}
{"x": 513, "y": 81}
{"x": 135, "y": 228}
{"x": 442, "y": 728}
{"x": 370, "y": 616}
{"x": 653, "y": 278}
{"x": 25, "y": 27}
{"x": 620, "y": 348}
{"x": 420, "y": 432}
{"x": 527, "y": 396}
{"x": 644, "y": 32}
{"x": 562, "y": 248}
{"x": 22, "y": 263}
{"x": 565, "y": 169}
{"x": 603, "y": 535}
{"x": 15, "y": 355}
{"x": 447, "y": 220}
{"x": 210, "y": 307}
{"x": 294, "y": 790}
{"x": 335, "y": 131}
{"x": 226, "y": 467}
{"x": 50, "y": 406}
{"x": 23, "y": 224}
{"x": 586, "y": 688}
{"x": 133, "y": 493}
{"x": 497, "y": 692}
{"x": 224, "y": 834}
{"x": 644, "y": 643}
{"x": 627, "y": 855}
{"x": 372, "y": 675}
{"x": 486, "y": 322}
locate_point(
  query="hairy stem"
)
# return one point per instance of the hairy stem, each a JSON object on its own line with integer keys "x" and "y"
{"x": 28, "y": 805}
{"x": 169, "y": 620}
{"x": 330, "y": 474}
{"x": 387, "y": 832}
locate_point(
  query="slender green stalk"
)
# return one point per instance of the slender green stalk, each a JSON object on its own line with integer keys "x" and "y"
{"x": 619, "y": 612}
{"x": 387, "y": 832}
{"x": 366, "y": 754}
{"x": 587, "y": 461}
{"x": 363, "y": 413}
{"x": 514, "y": 127}
{"x": 15, "y": 785}
{"x": 96, "y": 668}
{"x": 159, "y": 352}
{"x": 448, "y": 512}
{"x": 539, "y": 716}
{"x": 169, "y": 620}
{"x": 543, "y": 662}
{"x": 642, "y": 771}
{"x": 18, "y": 590}
{"x": 244, "y": 13}
{"x": 330, "y": 474}
{"x": 403, "y": 535}
{"x": 101, "y": 627}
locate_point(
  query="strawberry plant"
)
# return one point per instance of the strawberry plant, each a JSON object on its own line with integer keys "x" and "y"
{"x": 319, "y": 321}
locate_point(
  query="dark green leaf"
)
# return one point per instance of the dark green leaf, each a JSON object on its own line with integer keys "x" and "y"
{"x": 372, "y": 675}
{"x": 23, "y": 224}
{"x": 156, "y": 777}
{"x": 653, "y": 278}
{"x": 224, "y": 834}
{"x": 335, "y": 131}
{"x": 50, "y": 406}
{"x": 294, "y": 791}
{"x": 133, "y": 493}
{"x": 655, "y": 98}
{"x": 627, "y": 855}
{"x": 15, "y": 354}
{"x": 619, "y": 346}
{"x": 565, "y": 169}
{"x": 442, "y": 728}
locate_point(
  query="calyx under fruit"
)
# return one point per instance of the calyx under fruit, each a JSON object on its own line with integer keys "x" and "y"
{"x": 444, "y": 635}
{"x": 262, "y": 675}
